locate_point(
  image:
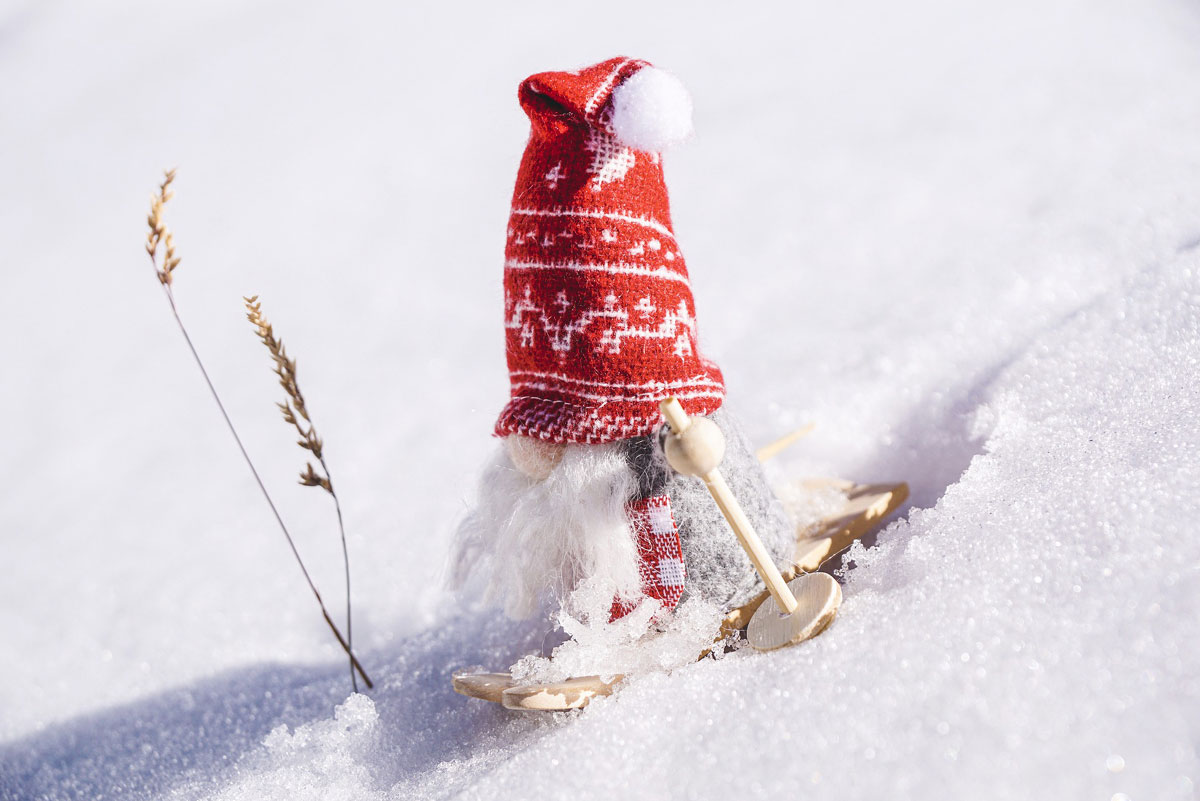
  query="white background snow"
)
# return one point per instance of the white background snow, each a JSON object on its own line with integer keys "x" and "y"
{"x": 963, "y": 239}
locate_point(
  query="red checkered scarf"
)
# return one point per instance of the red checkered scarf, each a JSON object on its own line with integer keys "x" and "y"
{"x": 660, "y": 556}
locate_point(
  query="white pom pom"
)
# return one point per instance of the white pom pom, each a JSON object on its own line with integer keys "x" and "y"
{"x": 651, "y": 111}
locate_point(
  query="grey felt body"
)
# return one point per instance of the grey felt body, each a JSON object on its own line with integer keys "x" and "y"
{"x": 718, "y": 570}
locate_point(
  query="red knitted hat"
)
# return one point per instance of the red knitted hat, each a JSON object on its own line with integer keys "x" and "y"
{"x": 599, "y": 316}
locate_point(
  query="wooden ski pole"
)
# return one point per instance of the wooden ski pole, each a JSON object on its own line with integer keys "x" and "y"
{"x": 699, "y": 453}
{"x": 696, "y": 448}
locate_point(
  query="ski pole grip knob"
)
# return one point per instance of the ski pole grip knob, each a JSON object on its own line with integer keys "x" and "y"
{"x": 695, "y": 446}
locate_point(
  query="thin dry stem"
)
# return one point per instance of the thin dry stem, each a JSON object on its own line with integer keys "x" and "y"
{"x": 158, "y": 236}
{"x": 295, "y": 414}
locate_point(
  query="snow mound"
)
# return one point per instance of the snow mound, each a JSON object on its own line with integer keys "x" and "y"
{"x": 327, "y": 760}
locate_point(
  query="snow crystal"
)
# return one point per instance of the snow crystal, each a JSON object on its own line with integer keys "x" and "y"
{"x": 326, "y": 760}
{"x": 646, "y": 640}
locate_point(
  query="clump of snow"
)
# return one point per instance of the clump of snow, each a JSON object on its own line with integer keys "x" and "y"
{"x": 648, "y": 639}
{"x": 326, "y": 760}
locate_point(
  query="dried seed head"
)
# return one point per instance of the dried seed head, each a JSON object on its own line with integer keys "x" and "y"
{"x": 294, "y": 410}
{"x": 158, "y": 233}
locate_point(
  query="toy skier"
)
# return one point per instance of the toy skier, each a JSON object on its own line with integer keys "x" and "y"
{"x": 600, "y": 328}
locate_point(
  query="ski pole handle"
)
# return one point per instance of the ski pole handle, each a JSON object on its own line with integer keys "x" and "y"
{"x": 696, "y": 448}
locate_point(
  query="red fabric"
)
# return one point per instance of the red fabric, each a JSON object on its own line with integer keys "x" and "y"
{"x": 599, "y": 316}
{"x": 660, "y": 556}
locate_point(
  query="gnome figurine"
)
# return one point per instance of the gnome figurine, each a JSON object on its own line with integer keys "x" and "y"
{"x": 600, "y": 327}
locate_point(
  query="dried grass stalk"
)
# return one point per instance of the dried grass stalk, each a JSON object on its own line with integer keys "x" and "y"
{"x": 160, "y": 237}
{"x": 295, "y": 414}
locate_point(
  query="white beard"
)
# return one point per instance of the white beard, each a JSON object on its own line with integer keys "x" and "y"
{"x": 527, "y": 538}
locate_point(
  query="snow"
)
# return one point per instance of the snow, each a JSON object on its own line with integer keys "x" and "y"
{"x": 964, "y": 241}
{"x": 648, "y": 639}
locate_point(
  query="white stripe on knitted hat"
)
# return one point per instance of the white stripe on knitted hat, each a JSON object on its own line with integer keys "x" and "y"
{"x": 594, "y": 100}
{"x": 649, "y": 385}
{"x": 599, "y": 215}
{"x": 519, "y": 388}
{"x": 593, "y": 429}
{"x": 618, "y": 268}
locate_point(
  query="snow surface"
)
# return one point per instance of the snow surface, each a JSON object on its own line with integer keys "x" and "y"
{"x": 962, "y": 239}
